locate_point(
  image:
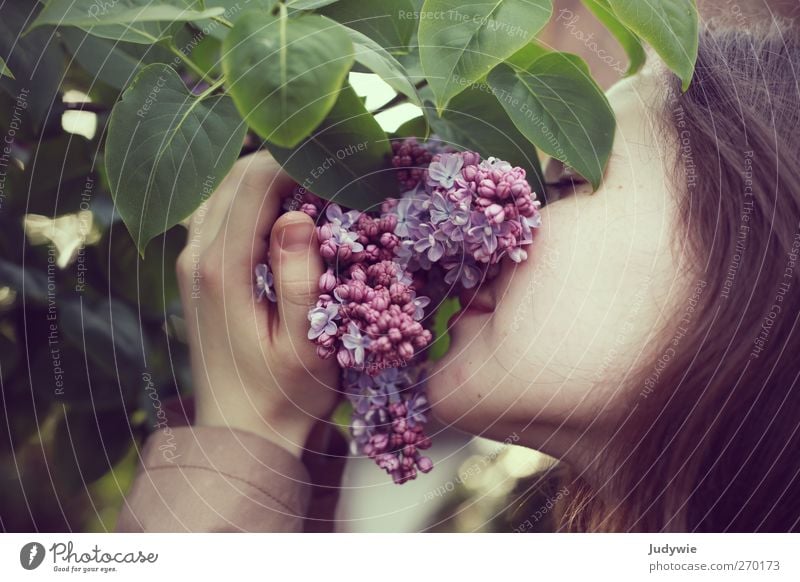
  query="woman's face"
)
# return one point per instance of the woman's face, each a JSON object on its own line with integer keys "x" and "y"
{"x": 543, "y": 350}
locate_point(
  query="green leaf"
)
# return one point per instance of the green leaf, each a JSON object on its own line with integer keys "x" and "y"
{"x": 308, "y": 4}
{"x": 38, "y": 64}
{"x": 93, "y": 13}
{"x": 103, "y": 59}
{"x": 525, "y": 56}
{"x": 150, "y": 283}
{"x": 139, "y": 21}
{"x": 378, "y": 60}
{"x": 476, "y": 121}
{"x": 417, "y": 127}
{"x": 207, "y": 55}
{"x": 232, "y": 9}
{"x": 669, "y": 26}
{"x": 628, "y": 40}
{"x": 87, "y": 445}
{"x": 284, "y": 73}
{"x": 57, "y": 175}
{"x": 346, "y": 159}
{"x": 390, "y": 23}
{"x": 4, "y": 70}
{"x": 109, "y": 332}
{"x": 99, "y": 352}
{"x": 166, "y": 150}
{"x": 557, "y": 106}
{"x": 441, "y": 343}
{"x": 461, "y": 42}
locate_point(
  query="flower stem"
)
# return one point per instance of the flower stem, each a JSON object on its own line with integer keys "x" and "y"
{"x": 223, "y": 21}
{"x": 213, "y": 87}
{"x": 188, "y": 62}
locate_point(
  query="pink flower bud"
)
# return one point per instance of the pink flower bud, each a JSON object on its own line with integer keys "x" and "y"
{"x": 503, "y": 190}
{"x": 380, "y": 302}
{"x": 471, "y": 158}
{"x": 406, "y": 351}
{"x": 309, "y": 209}
{"x": 327, "y": 281}
{"x": 495, "y": 213}
{"x": 343, "y": 292}
{"x": 520, "y": 188}
{"x": 487, "y": 188}
{"x": 469, "y": 172}
{"x": 344, "y": 358}
{"x": 345, "y": 252}
{"x": 389, "y": 240}
{"x": 324, "y": 232}
{"x": 328, "y": 250}
{"x": 424, "y": 464}
{"x": 324, "y": 353}
{"x": 380, "y": 441}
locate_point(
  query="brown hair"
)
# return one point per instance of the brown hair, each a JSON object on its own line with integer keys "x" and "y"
{"x": 712, "y": 442}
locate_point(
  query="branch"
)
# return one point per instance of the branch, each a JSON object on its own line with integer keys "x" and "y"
{"x": 398, "y": 99}
{"x": 97, "y": 108}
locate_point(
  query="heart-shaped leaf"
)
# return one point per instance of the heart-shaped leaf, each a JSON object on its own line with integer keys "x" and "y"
{"x": 284, "y": 73}
{"x": 627, "y": 39}
{"x": 669, "y": 26}
{"x": 346, "y": 159}
{"x": 104, "y": 59}
{"x": 525, "y": 56}
{"x": 166, "y": 150}
{"x": 390, "y": 23}
{"x": 476, "y": 121}
{"x": 558, "y": 107}
{"x": 232, "y": 9}
{"x": 378, "y": 60}
{"x": 461, "y": 42}
{"x": 417, "y": 127}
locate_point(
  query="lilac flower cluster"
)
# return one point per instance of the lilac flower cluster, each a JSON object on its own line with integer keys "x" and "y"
{"x": 389, "y": 415}
{"x": 460, "y": 215}
{"x": 464, "y": 215}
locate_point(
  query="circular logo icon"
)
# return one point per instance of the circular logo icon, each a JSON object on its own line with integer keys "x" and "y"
{"x": 31, "y": 555}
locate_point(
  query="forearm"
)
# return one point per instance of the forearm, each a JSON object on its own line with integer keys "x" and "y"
{"x": 216, "y": 479}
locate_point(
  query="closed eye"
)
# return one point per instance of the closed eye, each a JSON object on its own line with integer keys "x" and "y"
{"x": 565, "y": 186}
{"x": 561, "y": 180}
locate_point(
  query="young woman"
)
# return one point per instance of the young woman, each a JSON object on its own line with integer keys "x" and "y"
{"x": 650, "y": 342}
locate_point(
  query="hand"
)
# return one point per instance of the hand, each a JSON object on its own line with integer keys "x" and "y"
{"x": 252, "y": 364}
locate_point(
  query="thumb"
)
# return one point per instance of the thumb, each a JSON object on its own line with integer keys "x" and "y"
{"x": 296, "y": 266}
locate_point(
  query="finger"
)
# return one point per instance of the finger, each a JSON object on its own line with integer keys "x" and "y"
{"x": 297, "y": 266}
{"x": 206, "y": 221}
{"x": 242, "y": 240}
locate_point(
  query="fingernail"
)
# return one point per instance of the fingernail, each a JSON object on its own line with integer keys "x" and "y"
{"x": 296, "y": 236}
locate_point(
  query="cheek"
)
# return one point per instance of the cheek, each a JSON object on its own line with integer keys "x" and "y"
{"x": 460, "y": 387}
{"x": 484, "y": 373}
